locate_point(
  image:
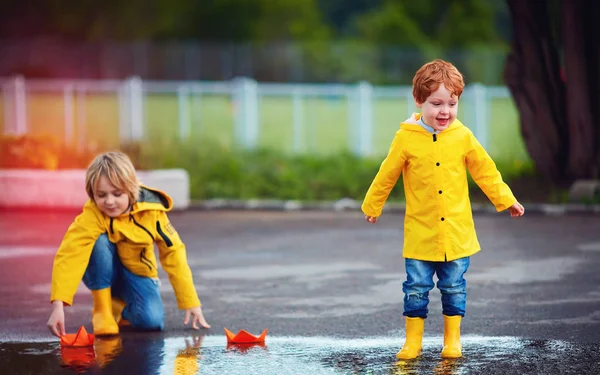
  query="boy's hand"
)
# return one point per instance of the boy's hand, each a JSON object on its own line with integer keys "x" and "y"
{"x": 56, "y": 322}
{"x": 371, "y": 219}
{"x": 197, "y": 317}
{"x": 516, "y": 210}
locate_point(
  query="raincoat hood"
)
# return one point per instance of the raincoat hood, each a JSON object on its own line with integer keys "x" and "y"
{"x": 149, "y": 199}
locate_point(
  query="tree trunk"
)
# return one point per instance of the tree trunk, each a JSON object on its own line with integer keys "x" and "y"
{"x": 559, "y": 114}
{"x": 581, "y": 35}
{"x": 533, "y": 77}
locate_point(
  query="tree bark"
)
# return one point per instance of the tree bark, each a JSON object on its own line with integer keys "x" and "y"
{"x": 581, "y": 35}
{"x": 559, "y": 113}
{"x": 532, "y": 75}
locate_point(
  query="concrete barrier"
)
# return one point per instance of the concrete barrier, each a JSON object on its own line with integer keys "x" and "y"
{"x": 25, "y": 188}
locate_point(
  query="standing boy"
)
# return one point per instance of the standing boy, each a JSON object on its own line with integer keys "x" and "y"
{"x": 433, "y": 149}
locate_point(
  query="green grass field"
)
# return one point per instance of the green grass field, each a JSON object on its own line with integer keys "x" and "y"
{"x": 325, "y": 122}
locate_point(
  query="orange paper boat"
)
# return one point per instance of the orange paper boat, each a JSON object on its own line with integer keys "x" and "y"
{"x": 77, "y": 340}
{"x": 244, "y": 337}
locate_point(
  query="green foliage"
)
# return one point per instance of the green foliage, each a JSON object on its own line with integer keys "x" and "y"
{"x": 289, "y": 20}
{"x": 219, "y": 172}
{"x": 447, "y": 23}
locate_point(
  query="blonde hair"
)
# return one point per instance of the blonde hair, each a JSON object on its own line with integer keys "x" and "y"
{"x": 118, "y": 169}
{"x": 429, "y": 77}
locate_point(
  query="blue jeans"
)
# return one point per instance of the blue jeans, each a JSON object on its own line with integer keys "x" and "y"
{"x": 144, "y": 308}
{"x": 451, "y": 284}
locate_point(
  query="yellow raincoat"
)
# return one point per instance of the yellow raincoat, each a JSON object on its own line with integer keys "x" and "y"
{"x": 438, "y": 223}
{"x": 135, "y": 234}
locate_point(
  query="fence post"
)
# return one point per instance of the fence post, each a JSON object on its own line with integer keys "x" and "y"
{"x": 15, "y": 106}
{"x": 246, "y": 129}
{"x": 68, "y": 100}
{"x": 298, "y": 119}
{"x": 137, "y": 108}
{"x": 7, "y": 106}
{"x": 131, "y": 110}
{"x": 363, "y": 122}
{"x": 410, "y": 103}
{"x": 480, "y": 113}
{"x": 81, "y": 119}
{"x": 183, "y": 108}
{"x": 21, "y": 105}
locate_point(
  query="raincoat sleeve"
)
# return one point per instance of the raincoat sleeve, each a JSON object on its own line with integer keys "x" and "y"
{"x": 73, "y": 255}
{"x": 173, "y": 258}
{"x": 484, "y": 172}
{"x": 386, "y": 178}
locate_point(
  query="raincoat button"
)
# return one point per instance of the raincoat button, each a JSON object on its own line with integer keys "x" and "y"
{"x": 437, "y": 164}
{"x": 443, "y": 219}
{"x": 440, "y": 192}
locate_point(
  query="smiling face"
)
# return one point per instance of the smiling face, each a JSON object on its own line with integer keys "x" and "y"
{"x": 440, "y": 108}
{"x": 111, "y": 200}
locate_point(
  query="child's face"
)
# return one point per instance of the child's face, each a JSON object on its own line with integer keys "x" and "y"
{"x": 111, "y": 200}
{"x": 439, "y": 109}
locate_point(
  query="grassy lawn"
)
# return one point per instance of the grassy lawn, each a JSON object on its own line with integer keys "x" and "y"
{"x": 324, "y": 122}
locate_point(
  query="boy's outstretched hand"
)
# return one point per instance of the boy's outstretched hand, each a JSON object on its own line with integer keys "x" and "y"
{"x": 371, "y": 219}
{"x": 56, "y": 322}
{"x": 516, "y": 210}
{"x": 197, "y": 318}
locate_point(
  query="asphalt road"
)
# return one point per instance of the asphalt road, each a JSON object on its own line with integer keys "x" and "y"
{"x": 328, "y": 286}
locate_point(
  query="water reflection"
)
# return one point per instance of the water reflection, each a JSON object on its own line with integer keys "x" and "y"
{"x": 419, "y": 367}
{"x": 78, "y": 359}
{"x": 153, "y": 354}
{"x": 104, "y": 351}
{"x": 143, "y": 354}
{"x": 449, "y": 367}
{"x": 406, "y": 367}
{"x": 187, "y": 361}
{"x": 244, "y": 348}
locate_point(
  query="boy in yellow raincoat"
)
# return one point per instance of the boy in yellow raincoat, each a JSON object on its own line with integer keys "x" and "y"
{"x": 110, "y": 246}
{"x": 433, "y": 150}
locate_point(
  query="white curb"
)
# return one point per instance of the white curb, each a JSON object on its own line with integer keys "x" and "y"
{"x": 33, "y": 188}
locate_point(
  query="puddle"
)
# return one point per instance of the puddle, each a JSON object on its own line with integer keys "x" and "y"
{"x": 296, "y": 355}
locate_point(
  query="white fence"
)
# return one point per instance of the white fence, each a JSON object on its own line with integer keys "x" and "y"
{"x": 245, "y": 96}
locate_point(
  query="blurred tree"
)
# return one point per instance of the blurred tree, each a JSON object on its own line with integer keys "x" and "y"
{"x": 341, "y": 14}
{"x": 208, "y": 20}
{"x": 289, "y": 20}
{"x": 447, "y": 23}
{"x": 553, "y": 74}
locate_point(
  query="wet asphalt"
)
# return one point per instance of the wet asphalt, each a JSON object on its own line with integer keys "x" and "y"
{"x": 328, "y": 286}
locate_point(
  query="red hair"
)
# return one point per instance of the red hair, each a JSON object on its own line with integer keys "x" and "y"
{"x": 429, "y": 77}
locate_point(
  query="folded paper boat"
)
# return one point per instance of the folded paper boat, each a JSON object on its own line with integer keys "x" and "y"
{"x": 77, "y": 340}
{"x": 244, "y": 337}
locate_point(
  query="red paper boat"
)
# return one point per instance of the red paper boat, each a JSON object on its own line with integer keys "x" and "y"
{"x": 77, "y": 340}
{"x": 244, "y": 337}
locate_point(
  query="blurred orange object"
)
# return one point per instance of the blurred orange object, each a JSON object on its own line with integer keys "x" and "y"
{"x": 77, "y": 340}
{"x": 244, "y": 337}
{"x": 79, "y": 359}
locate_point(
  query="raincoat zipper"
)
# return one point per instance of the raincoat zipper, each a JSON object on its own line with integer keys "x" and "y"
{"x": 143, "y": 258}
{"x": 164, "y": 236}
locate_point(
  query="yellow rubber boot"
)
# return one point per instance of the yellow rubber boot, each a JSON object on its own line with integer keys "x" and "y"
{"x": 117, "y": 309}
{"x": 103, "y": 320}
{"x": 452, "y": 347}
{"x": 414, "y": 338}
